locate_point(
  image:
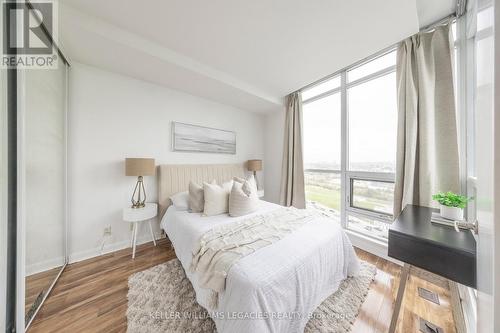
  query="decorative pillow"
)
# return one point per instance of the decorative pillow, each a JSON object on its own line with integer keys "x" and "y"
{"x": 180, "y": 200}
{"x": 239, "y": 180}
{"x": 228, "y": 185}
{"x": 241, "y": 199}
{"x": 252, "y": 185}
{"x": 216, "y": 199}
{"x": 196, "y": 197}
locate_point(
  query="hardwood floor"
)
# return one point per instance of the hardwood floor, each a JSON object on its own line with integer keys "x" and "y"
{"x": 91, "y": 296}
{"x": 37, "y": 285}
{"x": 375, "y": 314}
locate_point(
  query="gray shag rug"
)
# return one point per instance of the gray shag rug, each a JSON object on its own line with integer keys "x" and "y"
{"x": 162, "y": 299}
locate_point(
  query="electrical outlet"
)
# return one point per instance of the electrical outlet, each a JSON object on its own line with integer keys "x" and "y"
{"x": 107, "y": 230}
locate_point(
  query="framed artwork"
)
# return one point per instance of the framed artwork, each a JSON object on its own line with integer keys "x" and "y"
{"x": 194, "y": 138}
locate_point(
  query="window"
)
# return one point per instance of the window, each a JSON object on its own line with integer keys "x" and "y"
{"x": 379, "y": 64}
{"x": 318, "y": 89}
{"x": 350, "y": 145}
{"x": 479, "y": 143}
{"x": 323, "y": 190}
{"x": 350, "y": 138}
{"x": 322, "y": 133}
{"x": 374, "y": 228}
{"x": 372, "y": 195}
{"x": 322, "y": 152}
{"x": 372, "y": 113}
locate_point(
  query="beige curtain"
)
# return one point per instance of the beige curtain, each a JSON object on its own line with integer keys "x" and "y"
{"x": 427, "y": 158}
{"x": 292, "y": 174}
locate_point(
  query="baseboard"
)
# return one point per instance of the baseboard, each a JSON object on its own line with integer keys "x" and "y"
{"x": 108, "y": 248}
{"x": 44, "y": 266}
{"x": 370, "y": 245}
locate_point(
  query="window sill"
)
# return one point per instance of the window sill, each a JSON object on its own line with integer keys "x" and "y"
{"x": 370, "y": 245}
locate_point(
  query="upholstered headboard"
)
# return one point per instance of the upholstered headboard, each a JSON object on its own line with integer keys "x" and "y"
{"x": 175, "y": 178}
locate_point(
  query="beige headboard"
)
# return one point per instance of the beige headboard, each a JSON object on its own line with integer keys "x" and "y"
{"x": 175, "y": 178}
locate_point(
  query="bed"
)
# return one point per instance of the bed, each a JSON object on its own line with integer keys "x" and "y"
{"x": 274, "y": 289}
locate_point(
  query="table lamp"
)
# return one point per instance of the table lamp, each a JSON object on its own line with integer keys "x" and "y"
{"x": 139, "y": 167}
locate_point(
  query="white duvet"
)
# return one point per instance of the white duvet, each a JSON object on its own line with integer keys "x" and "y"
{"x": 276, "y": 288}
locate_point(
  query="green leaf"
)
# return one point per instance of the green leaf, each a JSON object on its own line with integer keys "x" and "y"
{"x": 451, "y": 199}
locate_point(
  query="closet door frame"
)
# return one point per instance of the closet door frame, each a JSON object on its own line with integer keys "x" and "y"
{"x": 16, "y": 92}
{"x": 12, "y": 192}
{"x": 21, "y": 199}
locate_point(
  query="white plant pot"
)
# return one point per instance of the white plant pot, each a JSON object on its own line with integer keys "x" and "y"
{"x": 452, "y": 213}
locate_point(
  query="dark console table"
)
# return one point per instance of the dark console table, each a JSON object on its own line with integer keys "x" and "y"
{"x": 439, "y": 249}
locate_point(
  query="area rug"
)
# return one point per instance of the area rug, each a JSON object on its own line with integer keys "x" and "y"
{"x": 162, "y": 299}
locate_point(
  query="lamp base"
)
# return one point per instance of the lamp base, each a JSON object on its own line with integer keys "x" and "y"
{"x": 256, "y": 181}
{"x": 137, "y": 205}
{"x": 140, "y": 202}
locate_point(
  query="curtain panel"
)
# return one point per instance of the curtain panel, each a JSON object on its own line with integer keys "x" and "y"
{"x": 427, "y": 158}
{"x": 292, "y": 191}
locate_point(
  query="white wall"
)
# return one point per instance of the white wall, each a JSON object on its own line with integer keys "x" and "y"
{"x": 112, "y": 117}
{"x": 274, "y": 130}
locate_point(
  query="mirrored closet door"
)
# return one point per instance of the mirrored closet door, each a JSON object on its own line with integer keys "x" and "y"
{"x": 33, "y": 168}
{"x": 44, "y": 178}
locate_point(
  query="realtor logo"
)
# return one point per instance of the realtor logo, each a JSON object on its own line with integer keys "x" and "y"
{"x": 28, "y": 41}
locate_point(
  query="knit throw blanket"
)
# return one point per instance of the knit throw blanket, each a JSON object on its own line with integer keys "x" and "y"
{"x": 221, "y": 247}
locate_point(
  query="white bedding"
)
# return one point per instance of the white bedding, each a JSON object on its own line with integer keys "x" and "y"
{"x": 276, "y": 288}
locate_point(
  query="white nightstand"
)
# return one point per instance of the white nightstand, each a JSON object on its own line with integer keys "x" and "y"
{"x": 137, "y": 215}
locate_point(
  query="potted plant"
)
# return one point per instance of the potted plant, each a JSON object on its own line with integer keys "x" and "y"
{"x": 451, "y": 205}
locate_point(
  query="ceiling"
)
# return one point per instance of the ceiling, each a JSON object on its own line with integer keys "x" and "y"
{"x": 248, "y": 54}
{"x": 430, "y": 11}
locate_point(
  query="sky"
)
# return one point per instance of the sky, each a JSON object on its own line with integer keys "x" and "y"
{"x": 372, "y": 117}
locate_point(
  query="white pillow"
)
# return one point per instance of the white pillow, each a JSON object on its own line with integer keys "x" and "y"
{"x": 251, "y": 188}
{"x": 239, "y": 180}
{"x": 216, "y": 199}
{"x": 241, "y": 200}
{"x": 180, "y": 200}
{"x": 196, "y": 197}
{"x": 228, "y": 185}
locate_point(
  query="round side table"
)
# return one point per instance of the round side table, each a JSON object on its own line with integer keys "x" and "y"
{"x": 138, "y": 215}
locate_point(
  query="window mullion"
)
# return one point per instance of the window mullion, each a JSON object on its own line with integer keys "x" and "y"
{"x": 320, "y": 96}
{"x": 343, "y": 148}
{"x": 372, "y": 76}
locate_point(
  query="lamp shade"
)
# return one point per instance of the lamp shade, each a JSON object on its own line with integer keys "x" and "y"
{"x": 139, "y": 167}
{"x": 254, "y": 165}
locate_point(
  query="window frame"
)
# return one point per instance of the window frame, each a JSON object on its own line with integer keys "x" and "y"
{"x": 346, "y": 175}
{"x": 467, "y": 50}
{"x": 380, "y": 177}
